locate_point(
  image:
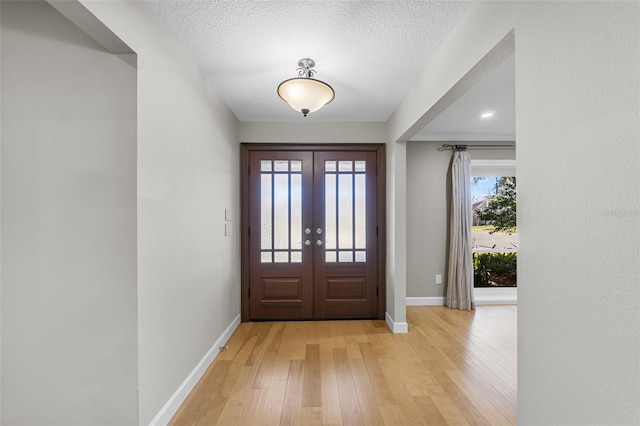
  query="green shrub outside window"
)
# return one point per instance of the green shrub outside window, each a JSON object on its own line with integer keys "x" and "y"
{"x": 495, "y": 269}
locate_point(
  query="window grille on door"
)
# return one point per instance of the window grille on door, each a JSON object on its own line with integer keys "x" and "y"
{"x": 281, "y": 211}
{"x": 345, "y": 211}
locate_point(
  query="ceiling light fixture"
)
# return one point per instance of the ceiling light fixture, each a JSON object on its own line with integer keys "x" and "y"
{"x": 488, "y": 114}
{"x": 304, "y": 93}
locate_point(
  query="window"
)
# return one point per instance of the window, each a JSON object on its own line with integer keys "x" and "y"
{"x": 494, "y": 232}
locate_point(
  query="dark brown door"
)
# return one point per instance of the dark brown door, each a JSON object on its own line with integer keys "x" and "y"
{"x": 281, "y": 265}
{"x": 313, "y": 243}
{"x": 345, "y": 242}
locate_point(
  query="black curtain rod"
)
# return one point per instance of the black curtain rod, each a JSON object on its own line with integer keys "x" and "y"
{"x": 462, "y": 147}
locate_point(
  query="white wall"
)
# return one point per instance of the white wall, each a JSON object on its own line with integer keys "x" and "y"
{"x": 396, "y": 237}
{"x": 578, "y": 130}
{"x": 188, "y": 159}
{"x": 313, "y": 132}
{"x": 577, "y": 126}
{"x": 187, "y": 270}
{"x": 69, "y": 323}
{"x": 428, "y": 186}
{"x": 0, "y": 218}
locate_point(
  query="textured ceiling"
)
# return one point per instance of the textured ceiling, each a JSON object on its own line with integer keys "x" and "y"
{"x": 368, "y": 51}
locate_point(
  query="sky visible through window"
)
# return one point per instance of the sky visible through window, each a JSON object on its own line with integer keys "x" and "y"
{"x": 483, "y": 188}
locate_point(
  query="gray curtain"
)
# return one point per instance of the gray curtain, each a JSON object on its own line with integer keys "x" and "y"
{"x": 460, "y": 268}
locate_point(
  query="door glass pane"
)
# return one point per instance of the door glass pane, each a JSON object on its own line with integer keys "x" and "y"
{"x": 330, "y": 219}
{"x": 281, "y": 165}
{"x": 361, "y": 211}
{"x": 296, "y": 210}
{"x": 345, "y": 166}
{"x": 265, "y": 165}
{"x": 345, "y": 256}
{"x": 265, "y": 211}
{"x": 281, "y": 211}
{"x": 345, "y": 211}
{"x": 281, "y": 257}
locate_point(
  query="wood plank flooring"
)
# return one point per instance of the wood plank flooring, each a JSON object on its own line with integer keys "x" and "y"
{"x": 452, "y": 368}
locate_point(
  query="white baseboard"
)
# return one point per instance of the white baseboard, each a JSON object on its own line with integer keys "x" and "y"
{"x": 396, "y": 327}
{"x": 426, "y": 301}
{"x": 483, "y": 296}
{"x": 171, "y": 406}
{"x": 496, "y": 296}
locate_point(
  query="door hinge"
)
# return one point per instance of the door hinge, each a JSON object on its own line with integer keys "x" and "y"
{"x": 248, "y": 231}
{"x": 248, "y": 170}
{"x": 376, "y": 291}
{"x": 249, "y": 292}
{"x": 376, "y": 231}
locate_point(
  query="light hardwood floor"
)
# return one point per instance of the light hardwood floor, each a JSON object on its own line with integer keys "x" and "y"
{"x": 452, "y": 368}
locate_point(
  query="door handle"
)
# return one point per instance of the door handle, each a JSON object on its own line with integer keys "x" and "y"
{"x": 306, "y": 242}
{"x": 319, "y": 242}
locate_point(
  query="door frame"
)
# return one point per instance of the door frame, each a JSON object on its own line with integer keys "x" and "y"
{"x": 246, "y": 148}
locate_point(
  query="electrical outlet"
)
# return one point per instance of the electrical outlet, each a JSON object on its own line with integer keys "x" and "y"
{"x": 438, "y": 279}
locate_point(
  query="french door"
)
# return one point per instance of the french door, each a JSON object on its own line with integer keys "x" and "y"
{"x": 312, "y": 243}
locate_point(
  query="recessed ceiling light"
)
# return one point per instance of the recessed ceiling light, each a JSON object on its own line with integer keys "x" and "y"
{"x": 488, "y": 114}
